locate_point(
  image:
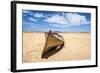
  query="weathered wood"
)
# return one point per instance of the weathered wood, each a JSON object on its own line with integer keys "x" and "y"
{"x": 54, "y": 42}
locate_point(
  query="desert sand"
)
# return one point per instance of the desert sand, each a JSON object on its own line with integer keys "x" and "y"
{"x": 77, "y": 47}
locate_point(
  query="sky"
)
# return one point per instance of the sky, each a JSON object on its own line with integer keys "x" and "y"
{"x": 43, "y": 21}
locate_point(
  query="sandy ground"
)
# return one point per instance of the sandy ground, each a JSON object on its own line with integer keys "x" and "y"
{"x": 77, "y": 47}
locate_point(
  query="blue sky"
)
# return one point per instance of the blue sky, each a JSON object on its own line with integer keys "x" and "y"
{"x": 43, "y": 21}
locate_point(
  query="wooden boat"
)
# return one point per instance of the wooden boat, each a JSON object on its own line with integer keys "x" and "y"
{"x": 54, "y": 43}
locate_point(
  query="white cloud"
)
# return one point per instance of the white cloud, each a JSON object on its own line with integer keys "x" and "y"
{"x": 32, "y": 19}
{"x": 76, "y": 19}
{"x": 26, "y": 11}
{"x": 57, "y": 19}
{"x": 84, "y": 20}
{"x": 38, "y": 15}
{"x": 33, "y": 14}
{"x": 67, "y": 19}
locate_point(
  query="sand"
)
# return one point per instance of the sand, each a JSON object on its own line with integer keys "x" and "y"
{"x": 77, "y": 47}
